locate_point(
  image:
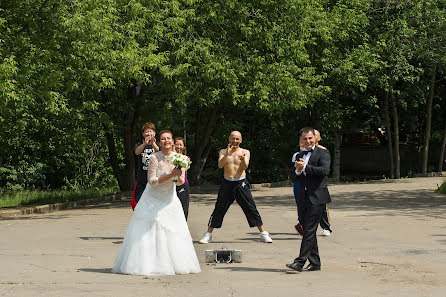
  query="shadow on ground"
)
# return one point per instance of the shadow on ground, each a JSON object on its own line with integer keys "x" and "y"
{"x": 100, "y": 238}
{"x": 405, "y": 202}
{"x": 96, "y": 270}
{"x": 249, "y": 269}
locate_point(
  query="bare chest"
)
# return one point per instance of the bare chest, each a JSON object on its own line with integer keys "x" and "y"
{"x": 234, "y": 158}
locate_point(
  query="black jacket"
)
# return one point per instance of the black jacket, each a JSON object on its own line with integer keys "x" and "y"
{"x": 313, "y": 181}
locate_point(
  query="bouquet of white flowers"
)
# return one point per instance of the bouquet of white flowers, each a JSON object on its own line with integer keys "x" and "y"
{"x": 180, "y": 161}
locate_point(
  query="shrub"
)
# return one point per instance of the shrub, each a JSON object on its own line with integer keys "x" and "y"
{"x": 441, "y": 189}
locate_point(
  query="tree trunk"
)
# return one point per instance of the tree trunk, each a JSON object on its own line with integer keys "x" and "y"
{"x": 129, "y": 137}
{"x": 202, "y": 140}
{"x": 337, "y": 156}
{"x": 113, "y": 158}
{"x": 125, "y": 176}
{"x": 205, "y": 154}
{"x": 389, "y": 135}
{"x": 441, "y": 159}
{"x": 427, "y": 134}
{"x": 396, "y": 134}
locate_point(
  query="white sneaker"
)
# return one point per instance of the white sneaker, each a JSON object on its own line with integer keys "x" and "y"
{"x": 326, "y": 232}
{"x": 264, "y": 236}
{"x": 207, "y": 237}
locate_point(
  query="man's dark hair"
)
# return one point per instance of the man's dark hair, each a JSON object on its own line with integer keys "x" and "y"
{"x": 166, "y": 131}
{"x": 306, "y": 130}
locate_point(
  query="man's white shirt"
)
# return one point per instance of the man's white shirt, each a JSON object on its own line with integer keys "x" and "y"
{"x": 305, "y": 157}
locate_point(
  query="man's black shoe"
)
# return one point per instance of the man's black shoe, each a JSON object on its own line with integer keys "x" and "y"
{"x": 295, "y": 266}
{"x": 312, "y": 267}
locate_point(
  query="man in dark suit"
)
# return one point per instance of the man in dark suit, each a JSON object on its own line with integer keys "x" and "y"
{"x": 310, "y": 170}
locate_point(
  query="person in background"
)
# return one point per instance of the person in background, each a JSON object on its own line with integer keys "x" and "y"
{"x": 325, "y": 220}
{"x": 296, "y": 184}
{"x": 183, "y": 191}
{"x": 143, "y": 150}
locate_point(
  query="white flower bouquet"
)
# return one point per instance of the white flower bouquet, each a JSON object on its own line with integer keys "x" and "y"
{"x": 180, "y": 161}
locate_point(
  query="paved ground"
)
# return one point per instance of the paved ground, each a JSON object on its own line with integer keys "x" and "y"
{"x": 389, "y": 239}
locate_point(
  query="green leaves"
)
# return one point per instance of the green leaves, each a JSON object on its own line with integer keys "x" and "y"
{"x": 8, "y": 70}
{"x": 70, "y": 72}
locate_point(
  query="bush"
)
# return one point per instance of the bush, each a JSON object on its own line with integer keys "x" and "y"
{"x": 441, "y": 189}
{"x": 25, "y": 175}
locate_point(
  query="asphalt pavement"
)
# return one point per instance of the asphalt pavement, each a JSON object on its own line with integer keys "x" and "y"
{"x": 389, "y": 239}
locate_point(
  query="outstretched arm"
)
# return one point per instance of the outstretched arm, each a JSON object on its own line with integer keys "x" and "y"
{"x": 140, "y": 148}
{"x": 244, "y": 159}
{"x": 147, "y": 141}
{"x": 222, "y": 156}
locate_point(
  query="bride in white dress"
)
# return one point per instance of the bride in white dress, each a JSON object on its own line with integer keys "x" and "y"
{"x": 158, "y": 241}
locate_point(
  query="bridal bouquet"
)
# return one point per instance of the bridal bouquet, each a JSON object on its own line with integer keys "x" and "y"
{"x": 180, "y": 161}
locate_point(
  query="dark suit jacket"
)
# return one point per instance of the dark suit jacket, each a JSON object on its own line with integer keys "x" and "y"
{"x": 313, "y": 181}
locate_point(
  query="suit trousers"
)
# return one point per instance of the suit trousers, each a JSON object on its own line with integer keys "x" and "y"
{"x": 311, "y": 215}
{"x": 325, "y": 220}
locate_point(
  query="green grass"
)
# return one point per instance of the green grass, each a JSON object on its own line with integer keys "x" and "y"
{"x": 441, "y": 189}
{"x": 12, "y": 199}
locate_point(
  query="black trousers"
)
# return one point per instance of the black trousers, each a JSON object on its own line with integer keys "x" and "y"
{"x": 311, "y": 215}
{"x": 183, "y": 193}
{"x": 325, "y": 220}
{"x": 241, "y": 192}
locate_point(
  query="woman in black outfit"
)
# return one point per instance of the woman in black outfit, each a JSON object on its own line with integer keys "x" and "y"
{"x": 183, "y": 191}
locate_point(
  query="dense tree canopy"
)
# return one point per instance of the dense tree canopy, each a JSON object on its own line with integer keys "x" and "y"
{"x": 78, "y": 78}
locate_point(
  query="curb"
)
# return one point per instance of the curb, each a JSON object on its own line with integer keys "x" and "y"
{"x": 271, "y": 185}
{"x": 41, "y": 209}
{"x": 431, "y": 174}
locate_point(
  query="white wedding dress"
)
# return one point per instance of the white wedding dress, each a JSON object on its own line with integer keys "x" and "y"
{"x": 157, "y": 240}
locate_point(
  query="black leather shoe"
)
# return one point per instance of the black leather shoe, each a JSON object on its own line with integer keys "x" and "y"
{"x": 312, "y": 267}
{"x": 295, "y": 266}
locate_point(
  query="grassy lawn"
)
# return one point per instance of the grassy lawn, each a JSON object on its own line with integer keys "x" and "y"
{"x": 12, "y": 199}
{"x": 441, "y": 189}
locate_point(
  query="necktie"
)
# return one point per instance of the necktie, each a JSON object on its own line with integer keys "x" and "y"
{"x": 306, "y": 152}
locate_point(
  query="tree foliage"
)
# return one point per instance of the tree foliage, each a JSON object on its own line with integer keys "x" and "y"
{"x": 78, "y": 79}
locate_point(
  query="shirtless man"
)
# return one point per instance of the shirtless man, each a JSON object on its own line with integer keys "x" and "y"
{"x": 235, "y": 186}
